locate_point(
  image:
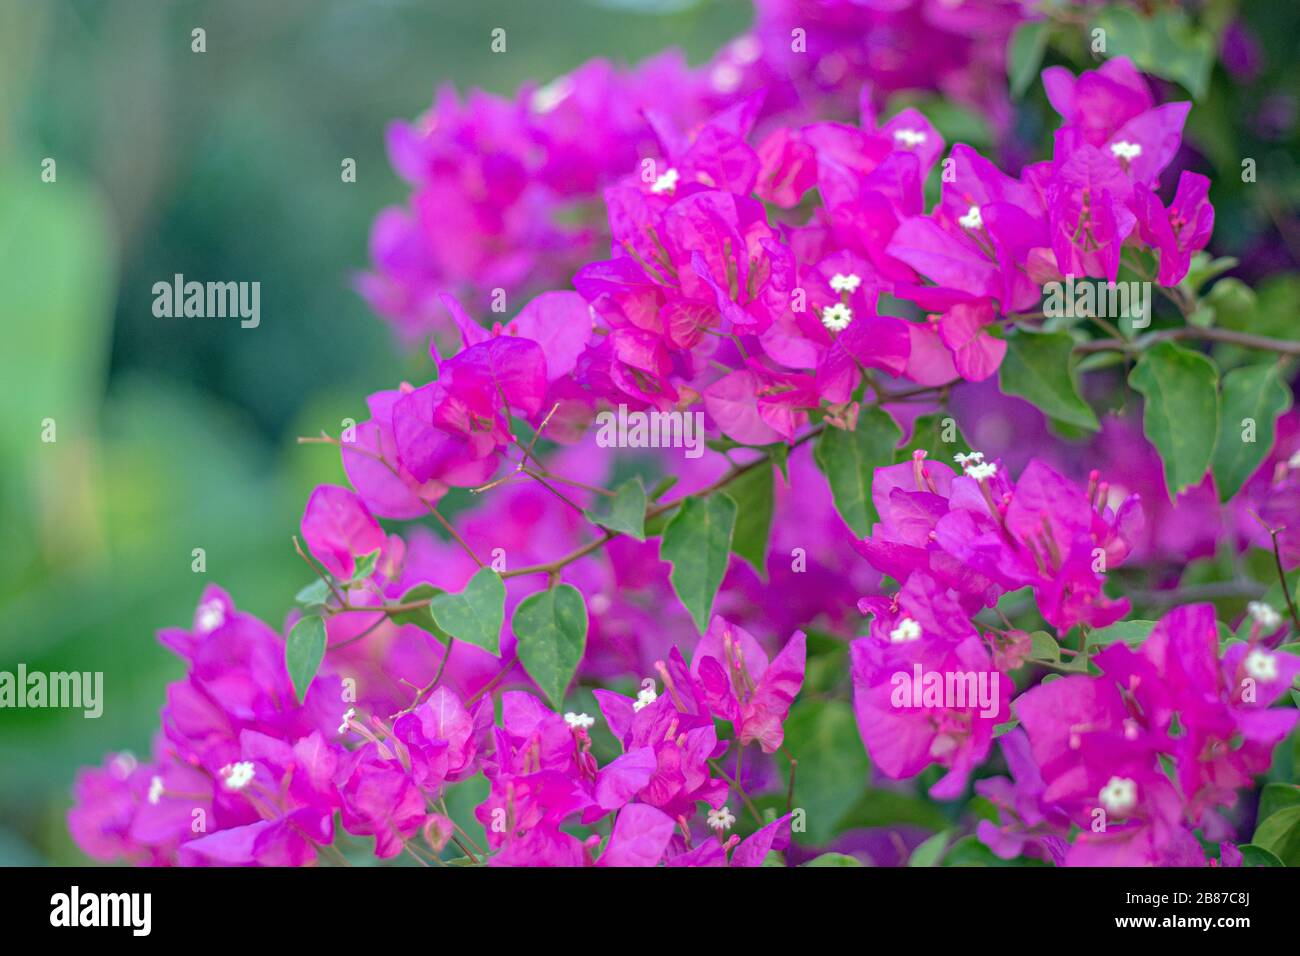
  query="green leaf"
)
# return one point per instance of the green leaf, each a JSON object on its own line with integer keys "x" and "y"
{"x": 850, "y": 459}
{"x": 625, "y": 512}
{"x": 303, "y": 652}
{"x": 662, "y": 486}
{"x": 833, "y": 768}
{"x": 1044, "y": 648}
{"x": 421, "y": 617}
{"x": 1253, "y": 398}
{"x": 1181, "y": 52}
{"x": 1203, "y": 268}
{"x": 1005, "y": 727}
{"x": 1131, "y": 633}
{"x": 365, "y": 566}
{"x": 551, "y": 628}
{"x": 937, "y": 435}
{"x": 930, "y": 852}
{"x": 779, "y": 452}
{"x": 1252, "y": 855}
{"x": 889, "y": 808}
{"x": 1167, "y": 45}
{"x": 1275, "y": 797}
{"x": 315, "y": 593}
{"x": 697, "y": 542}
{"x": 969, "y": 851}
{"x": 752, "y": 493}
{"x": 1040, "y": 368}
{"x": 1280, "y": 835}
{"x": 1182, "y": 410}
{"x": 1025, "y": 52}
{"x": 834, "y": 859}
{"x": 475, "y": 614}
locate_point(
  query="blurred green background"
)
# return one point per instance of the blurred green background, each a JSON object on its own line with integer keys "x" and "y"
{"x": 179, "y": 434}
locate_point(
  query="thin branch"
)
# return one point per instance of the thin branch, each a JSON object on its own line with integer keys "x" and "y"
{"x": 1243, "y": 339}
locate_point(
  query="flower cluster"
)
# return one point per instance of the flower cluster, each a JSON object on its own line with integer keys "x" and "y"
{"x": 1095, "y": 751}
{"x": 966, "y": 539}
{"x": 725, "y": 290}
{"x": 243, "y": 774}
{"x": 504, "y": 188}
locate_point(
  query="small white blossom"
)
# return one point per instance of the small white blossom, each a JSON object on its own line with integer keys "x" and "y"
{"x": 974, "y": 458}
{"x": 1261, "y": 665}
{"x": 725, "y": 78}
{"x": 746, "y": 49}
{"x": 347, "y": 719}
{"x": 721, "y": 819}
{"x": 837, "y": 317}
{"x": 123, "y": 764}
{"x": 646, "y": 695}
{"x": 1125, "y": 150}
{"x": 579, "y": 721}
{"x": 982, "y": 470}
{"x": 910, "y": 138}
{"x": 551, "y": 95}
{"x": 211, "y": 615}
{"x": 907, "y": 630}
{"x": 155, "y": 788}
{"x": 846, "y": 283}
{"x": 237, "y": 776}
{"x": 972, "y": 219}
{"x": 1267, "y": 618}
{"x": 667, "y": 183}
{"x": 1119, "y": 796}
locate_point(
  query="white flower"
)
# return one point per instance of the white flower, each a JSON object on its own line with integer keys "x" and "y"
{"x": 577, "y": 721}
{"x": 721, "y": 819}
{"x": 211, "y": 615}
{"x": 982, "y": 470}
{"x": 551, "y": 95}
{"x": 974, "y": 457}
{"x": 667, "y": 183}
{"x": 1119, "y": 796}
{"x": 907, "y": 630}
{"x": 746, "y": 49}
{"x": 646, "y": 695}
{"x": 1125, "y": 150}
{"x": 1263, "y": 615}
{"x": 725, "y": 78}
{"x": 846, "y": 283}
{"x": 972, "y": 219}
{"x": 837, "y": 317}
{"x": 1261, "y": 665}
{"x": 155, "y": 788}
{"x": 909, "y": 137}
{"x": 237, "y": 776}
{"x": 347, "y": 719}
{"x": 123, "y": 764}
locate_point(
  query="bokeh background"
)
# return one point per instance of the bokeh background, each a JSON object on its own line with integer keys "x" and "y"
{"x": 176, "y": 434}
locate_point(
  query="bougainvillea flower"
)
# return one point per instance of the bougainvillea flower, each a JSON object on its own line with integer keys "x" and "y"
{"x": 740, "y": 685}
